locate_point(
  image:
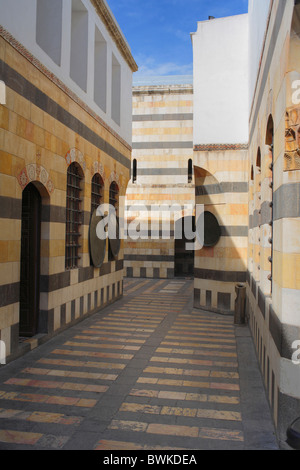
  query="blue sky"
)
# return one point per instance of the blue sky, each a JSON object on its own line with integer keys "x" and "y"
{"x": 158, "y": 31}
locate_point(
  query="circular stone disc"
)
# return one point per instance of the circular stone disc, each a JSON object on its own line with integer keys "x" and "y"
{"x": 113, "y": 235}
{"x": 97, "y": 246}
{"x": 212, "y": 230}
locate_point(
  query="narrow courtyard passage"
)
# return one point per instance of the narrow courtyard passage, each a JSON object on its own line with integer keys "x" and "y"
{"x": 148, "y": 372}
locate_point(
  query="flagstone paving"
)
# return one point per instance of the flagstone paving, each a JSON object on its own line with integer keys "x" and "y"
{"x": 148, "y": 372}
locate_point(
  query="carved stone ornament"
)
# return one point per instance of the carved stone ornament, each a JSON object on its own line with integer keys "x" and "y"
{"x": 99, "y": 168}
{"x": 35, "y": 172}
{"x": 74, "y": 155}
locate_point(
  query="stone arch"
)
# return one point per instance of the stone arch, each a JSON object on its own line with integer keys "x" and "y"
{"x": 35, "y": 173}
{"x": 207, "y": 187}
{"x": 114, "y": 177}
{"x": 120, "y": 180}
{"x": 98, "y": 168}
{"x": 75, "y": 155}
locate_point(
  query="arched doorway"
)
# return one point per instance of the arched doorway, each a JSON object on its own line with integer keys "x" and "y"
{"x": 30, "y": 261}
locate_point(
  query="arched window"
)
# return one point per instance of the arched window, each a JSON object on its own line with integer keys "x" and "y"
{"x": 258, "y": 160}
{"x": 73, "y": 215}
{"x": 270, "y": 131}
{"x": 114, "y": 195}
{"x": 97, "y": 192}
{"x": 134, "y": 170}
{"x": 96, "y": 200}
{"x": 190, "y": 170}
{"x": 252, "y": 173}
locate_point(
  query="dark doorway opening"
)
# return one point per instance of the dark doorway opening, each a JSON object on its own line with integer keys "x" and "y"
{"x": 30, "y": 261}
{"x": 184, "y": 258}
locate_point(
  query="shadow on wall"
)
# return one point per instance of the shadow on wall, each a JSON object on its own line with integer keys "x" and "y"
{"x": 222, "y": 264}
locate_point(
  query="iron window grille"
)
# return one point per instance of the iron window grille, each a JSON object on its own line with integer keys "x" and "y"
{"x": 96, "y": 196}
{"x": 113, "y": 195}
{"x": 97, "y": 192}
{"x": 74, "y": 216}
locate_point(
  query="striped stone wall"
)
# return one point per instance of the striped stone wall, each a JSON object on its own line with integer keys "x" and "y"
{"x": 43, "y": 129}
{"x": 274, "y": 223}
{"x": 162, "y": 148}
{"x": 222, "y": 188}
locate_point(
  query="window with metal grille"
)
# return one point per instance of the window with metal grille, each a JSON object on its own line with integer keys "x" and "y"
{"x": 96, "y": 197}
{"x": 113, "y": 195}
{"x": 74, "y": 216}
{"x": 96, "y": 194}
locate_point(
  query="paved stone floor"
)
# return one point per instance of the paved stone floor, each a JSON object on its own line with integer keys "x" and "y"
{"x": 148, "y": 372}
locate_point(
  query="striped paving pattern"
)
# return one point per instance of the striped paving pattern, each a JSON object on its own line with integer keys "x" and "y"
{"x": 179, "y": 396}
{"x": 148, "y": 373}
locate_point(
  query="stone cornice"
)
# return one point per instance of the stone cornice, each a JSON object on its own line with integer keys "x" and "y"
{"x": 109, "y": 22}
{"x": 219, "y": 147}
{"x": 163, "y": 89}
